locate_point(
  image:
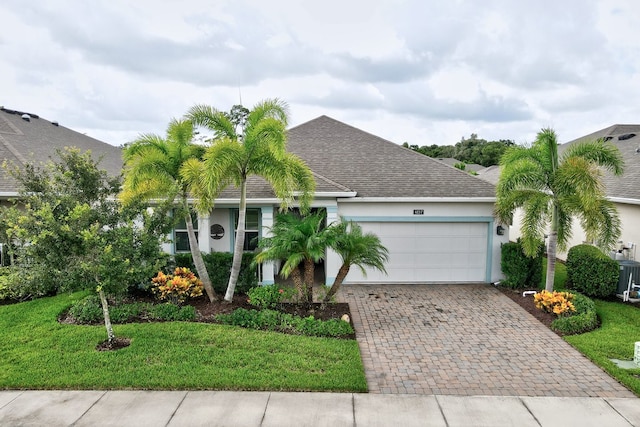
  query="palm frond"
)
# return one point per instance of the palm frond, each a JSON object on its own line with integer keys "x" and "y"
{"x": 212, "y": 119}
{"x": 599, "y": 152}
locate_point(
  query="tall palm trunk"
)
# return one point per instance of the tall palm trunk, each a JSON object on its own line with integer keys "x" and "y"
{"x": 551, "y": 251}
{"x": 239, "y": 246}
{"x": 201, "y": 268}
{"x": 342, "y": 273}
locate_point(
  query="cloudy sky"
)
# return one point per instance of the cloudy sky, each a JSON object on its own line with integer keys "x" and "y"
{"x": 422, "y": 71}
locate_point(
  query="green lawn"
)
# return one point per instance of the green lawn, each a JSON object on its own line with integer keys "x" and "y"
{"x": 36, "y": 352}
{"x": 614, "y": 340}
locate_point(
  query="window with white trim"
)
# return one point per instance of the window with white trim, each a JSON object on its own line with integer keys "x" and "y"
{"x": 181, "y": 235}
{"x": 251, "y": 228}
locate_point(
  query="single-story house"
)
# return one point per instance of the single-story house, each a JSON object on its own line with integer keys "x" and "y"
{"x": 623, "y": 191}
{"x": 436, "y": 221}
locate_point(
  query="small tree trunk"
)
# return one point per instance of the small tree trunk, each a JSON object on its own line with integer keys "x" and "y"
{"x": 342, "y": 273}
{"x": 201, "y": 268}
{"x": 551, "y": 251}
{"x": 105, "y": 313}
{"x": 309, "y": 272}
{"x": 551, "y": 261}
{"x": 238, "y": 249}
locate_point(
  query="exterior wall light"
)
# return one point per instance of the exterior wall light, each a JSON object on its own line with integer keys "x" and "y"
{"x": 500, "y": 230}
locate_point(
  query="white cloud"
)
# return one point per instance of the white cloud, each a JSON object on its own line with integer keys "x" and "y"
{"x": 418, "y": 71}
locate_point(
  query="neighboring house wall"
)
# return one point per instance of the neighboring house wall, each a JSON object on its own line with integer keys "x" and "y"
{"x": 630, "y": 219}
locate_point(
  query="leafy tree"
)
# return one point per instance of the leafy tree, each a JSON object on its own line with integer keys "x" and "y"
{"x": 471, "y": 150}
{"x": 355, "y": 248}
{"x": 75, "y": 234}
{"x": 553, "y": 189}
{"x": 300, "y": 241}
{"x": 259, "y": 148}
{"x": 152, "y": 170}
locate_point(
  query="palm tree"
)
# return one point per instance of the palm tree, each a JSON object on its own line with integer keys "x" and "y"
{"x": 299, "y": 241}
{"x": 355, "y": 248}
{"x": 258, "y": 149}
{"x": 152, "y": 170}
{"x": 553, "y": 189}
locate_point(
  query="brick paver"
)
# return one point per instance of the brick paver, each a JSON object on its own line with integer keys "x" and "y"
{"x": 465, "y": 340}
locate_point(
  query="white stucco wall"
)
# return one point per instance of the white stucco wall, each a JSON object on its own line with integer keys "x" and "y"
{"x": 629, "y": 217}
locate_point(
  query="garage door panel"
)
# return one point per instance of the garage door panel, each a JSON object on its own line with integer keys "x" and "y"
{"x": 429, "y": 252}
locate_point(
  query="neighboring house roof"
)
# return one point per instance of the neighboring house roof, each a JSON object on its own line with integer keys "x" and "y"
{"x": 627, "y": 139}
{"x": 468, "y": 167}
{"x": 490, "y": 174}
{"x": 28, "y": 138}
{"x": 375, "y": 167}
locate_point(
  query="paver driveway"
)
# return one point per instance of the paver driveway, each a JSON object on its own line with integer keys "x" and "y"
{"x": 465, "y": 340}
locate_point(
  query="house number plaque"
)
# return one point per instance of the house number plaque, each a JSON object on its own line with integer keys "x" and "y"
{"x": 418, "y": 211}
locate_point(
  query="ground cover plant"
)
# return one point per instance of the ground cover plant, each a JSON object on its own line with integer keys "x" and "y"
{"x": 619, "y": 330}
{"x": 38, "y": 352}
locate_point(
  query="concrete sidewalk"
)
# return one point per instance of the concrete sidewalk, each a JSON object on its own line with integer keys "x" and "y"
{"x": 247, "y": 409}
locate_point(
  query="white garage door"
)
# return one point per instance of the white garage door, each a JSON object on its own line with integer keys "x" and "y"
{"x": 428, "y": 252}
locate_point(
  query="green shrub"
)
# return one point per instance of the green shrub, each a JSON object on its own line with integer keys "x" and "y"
{"x": 219, "y": 267}
{"x": 123, "y": 313}
{"x": 87, "y": 310}
{"x": 268, "y": 296}
{"x": 583, "y": 320}
{"x": 591, "y": 272}
{"x": 520, "y": 270}
{"x": 17, "y": 284}
{"x": 273, "y": 320}
{"x": 172, "y": 312}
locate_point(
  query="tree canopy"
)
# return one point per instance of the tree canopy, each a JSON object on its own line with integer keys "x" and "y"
{"x": 553, "y": 189}
{"x": 467, "y": 150}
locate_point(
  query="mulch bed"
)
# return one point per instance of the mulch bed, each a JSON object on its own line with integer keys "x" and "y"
{"x": 528, "y": 305}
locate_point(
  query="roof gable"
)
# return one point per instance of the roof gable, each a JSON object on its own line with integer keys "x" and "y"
{"x": 375, "y": 167}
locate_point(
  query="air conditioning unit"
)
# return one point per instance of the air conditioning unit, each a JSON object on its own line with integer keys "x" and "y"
{"x": 628, "y": 270}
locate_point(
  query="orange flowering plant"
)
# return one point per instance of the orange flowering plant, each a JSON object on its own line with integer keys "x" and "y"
{"x": 177, "y": 287}
{"x": 558, "y": 303}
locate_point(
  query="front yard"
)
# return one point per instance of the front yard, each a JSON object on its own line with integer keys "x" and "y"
{"x": 615, "y": 339}
{"x": 37, "y": 352}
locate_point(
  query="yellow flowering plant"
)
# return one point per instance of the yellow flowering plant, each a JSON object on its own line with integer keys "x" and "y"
{"x": 177, "y": 287}
{"x": 558, "y": 303}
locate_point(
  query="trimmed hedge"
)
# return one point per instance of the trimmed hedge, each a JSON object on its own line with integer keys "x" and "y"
{"x": 219, "y": 267}
{"x": 520, "y": 271}
{"x": 273, "y": 320}
{"x": 591, "y": 272}
{"x": 89, "y": 311}
{"x": 584, "y": 319}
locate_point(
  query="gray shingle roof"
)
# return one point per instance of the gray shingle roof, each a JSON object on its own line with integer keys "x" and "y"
{"x": 468, "y": 167}
{"x": 490, "y": 174}
{"x": 626, "y": 186}
{"x": 375, "y": 167}
{"x": 36, "y": 141}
